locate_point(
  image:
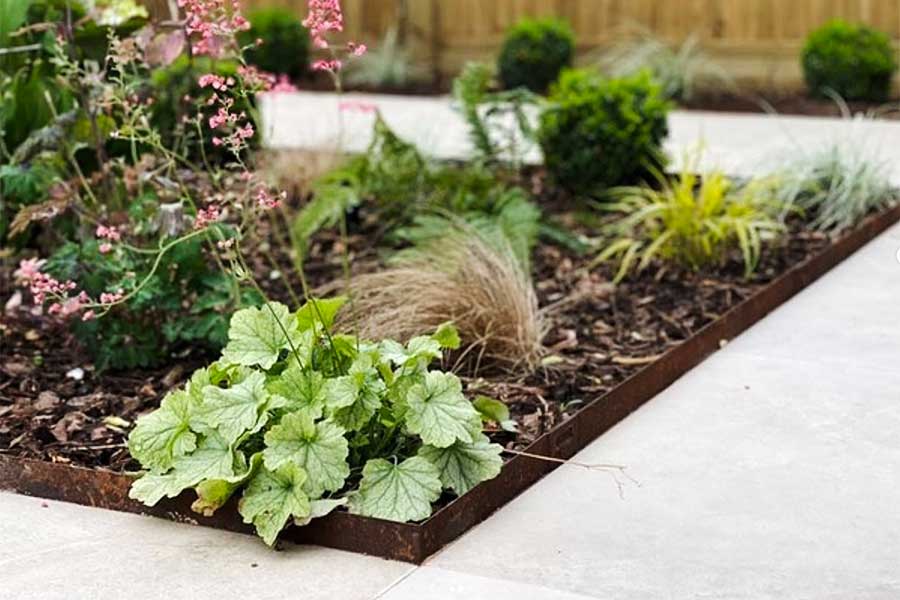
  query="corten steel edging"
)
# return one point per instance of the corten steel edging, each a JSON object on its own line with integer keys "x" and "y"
{"x": 415, "y": 542}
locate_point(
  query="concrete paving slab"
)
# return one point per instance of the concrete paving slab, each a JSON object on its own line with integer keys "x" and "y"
{"x": 739, "y": 144}
{"x": 849, "y": 318}
{"x": 762, "y": 475}
{"x": 55, "y": 550}
{"x": 432, "y": 583}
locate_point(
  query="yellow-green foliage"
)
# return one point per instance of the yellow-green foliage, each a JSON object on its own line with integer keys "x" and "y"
{"x": 691, "y": 222}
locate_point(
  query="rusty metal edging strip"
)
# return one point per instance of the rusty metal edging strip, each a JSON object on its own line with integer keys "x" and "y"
{"x": 416, "y": 542}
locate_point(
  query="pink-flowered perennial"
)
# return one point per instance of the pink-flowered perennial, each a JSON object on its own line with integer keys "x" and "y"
{"x": 207, "y": 216}
{"x": 109, "y": 234}
{"x": 213, "y": 25}
{"x": 326, "y": 17}
{"x": 267, "y": 201}
{"x": 65, "y": 302}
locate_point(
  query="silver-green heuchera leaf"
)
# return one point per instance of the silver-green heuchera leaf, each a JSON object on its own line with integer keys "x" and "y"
{"x": 212, "y": 459}
{"x": 402, "y": 492}
{"x": 439, "y": 412}
{"x": 257, "y": 336}
{"x": 319, "y": 448}
{"x": 273, "y": 497}
{"x": 462, "y": 466}
{"x": 164, "y": 435}
{"x": 299, "y": 389}
{"x": 236, "y": 410}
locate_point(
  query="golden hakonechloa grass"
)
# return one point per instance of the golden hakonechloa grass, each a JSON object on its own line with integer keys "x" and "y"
{"x": 692, "y": 222}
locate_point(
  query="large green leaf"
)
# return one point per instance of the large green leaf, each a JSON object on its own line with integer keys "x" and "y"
{"x": 401, "y": 492}
{"x": 212, "y": 494}
{"x": 236, "y": 410}
{"x": 439, "y": 413}
{"x": 319, "y": 314}
{"x": 273, "y": 497}
{"x": 257, "y": 336}
{"x": 462, "y": 466}
{"x": 299, "y": 389}
{"x": 354, "y": 398}
{"x": 164, "y": 435}
{"x": 320, "y": 448}
{"x": 213, "y": 459}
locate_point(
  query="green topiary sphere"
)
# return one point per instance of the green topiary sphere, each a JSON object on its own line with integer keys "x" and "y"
{"x": 534, "y": 53}
{"x": 598, "y": 133}
{"x": 855, "y": 61}
{"x": 285, "y": 42}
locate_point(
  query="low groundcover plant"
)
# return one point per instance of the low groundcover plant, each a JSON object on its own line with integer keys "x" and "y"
{"x": 304, "y": 421}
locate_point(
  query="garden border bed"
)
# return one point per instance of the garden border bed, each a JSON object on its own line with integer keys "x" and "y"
{"x": 416, "y": 542}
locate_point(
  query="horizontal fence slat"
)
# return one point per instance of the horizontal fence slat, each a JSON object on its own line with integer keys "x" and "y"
{"x": 766, "y": 34}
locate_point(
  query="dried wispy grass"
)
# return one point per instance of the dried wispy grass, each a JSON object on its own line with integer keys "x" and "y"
{"x": 466, "y": 278}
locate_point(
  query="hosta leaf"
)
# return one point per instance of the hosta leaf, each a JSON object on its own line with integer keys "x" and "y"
{"x": 235, "y": 410}
{"x": 401, "y": 492}
{"x": 296, "y": 389}
{"x": 212, "y": 494}
{"x": 273, "y": 497}
{"x": 463, "y": 466}
{"x": 439, "y": 413}
{"x": 320, "y": 448}
{"x": 258, "y": 335}
{"x": 163, "y": 435}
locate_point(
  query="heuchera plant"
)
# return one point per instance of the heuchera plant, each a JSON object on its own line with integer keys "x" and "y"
{"x": 302, "y": 421}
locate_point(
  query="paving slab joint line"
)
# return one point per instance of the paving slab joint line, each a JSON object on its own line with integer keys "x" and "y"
{"x": 397, "y": 582}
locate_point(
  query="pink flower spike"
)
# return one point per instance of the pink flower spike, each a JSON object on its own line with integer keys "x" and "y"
{"x": 105, "y": 248}
{"x": 89, "y": 316}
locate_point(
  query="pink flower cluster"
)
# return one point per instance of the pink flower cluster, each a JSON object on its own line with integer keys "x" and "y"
{"x": 110, "y": 234}
{"x": 256, "y": 79}
{"x": 267, "y": 201}
{"x": 325, "y": 17}
{"x": 284, "y": 85}
{"x": 215, "y": 23}
{"x": 236, "y": 126}
{"x": 216, "y": 82}
{"x": 332, "y": 66}
{"x": 207, "y": 216}
{"x": 46, "y": 287}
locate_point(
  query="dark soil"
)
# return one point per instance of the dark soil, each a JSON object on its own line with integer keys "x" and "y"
{"x": 790, "y": 104}
{"x": 602, "y": 335}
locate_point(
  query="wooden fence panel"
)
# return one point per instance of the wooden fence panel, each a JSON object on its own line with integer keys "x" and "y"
{"x": 758, "y": 39}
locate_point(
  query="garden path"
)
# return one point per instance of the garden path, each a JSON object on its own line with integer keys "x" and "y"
{"x": 769, "y": 471}
{"x": 740, "y": 144}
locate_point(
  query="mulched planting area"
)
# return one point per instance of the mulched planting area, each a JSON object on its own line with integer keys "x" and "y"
{"x": 790, "y": 104}
{"x": 54, "y": 406}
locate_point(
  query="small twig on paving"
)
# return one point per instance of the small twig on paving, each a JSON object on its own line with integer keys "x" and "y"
{"x": 612, "y": 469}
